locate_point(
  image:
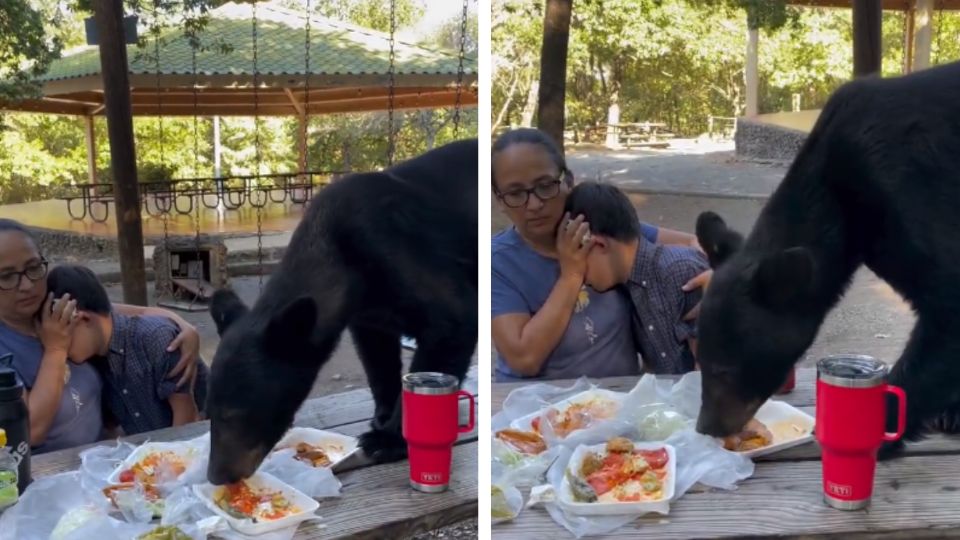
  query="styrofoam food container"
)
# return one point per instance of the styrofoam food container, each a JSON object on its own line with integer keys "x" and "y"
{"x": 780, "y": 417}
{"x": 261, "y": 480}
{"x": 188, "y": 452}
{"x": 565, "y": 497}
{"x": 337, "y": 446}
{"x": 524, "y": 423}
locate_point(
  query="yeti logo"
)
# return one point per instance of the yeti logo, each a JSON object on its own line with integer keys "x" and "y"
{"x": 431, "y": 477}
{"x": 839, "y": 490}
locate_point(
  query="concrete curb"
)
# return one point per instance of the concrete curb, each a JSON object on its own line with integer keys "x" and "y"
{"x": 694, "y": 193}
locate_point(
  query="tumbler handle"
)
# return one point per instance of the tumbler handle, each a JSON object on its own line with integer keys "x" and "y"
{"x": 901, "y": 412}
{"x": 470, "y": 424}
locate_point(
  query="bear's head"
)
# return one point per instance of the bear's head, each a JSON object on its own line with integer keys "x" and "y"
{"x": 754, "y": 324}
{"x": 262, "y": 372}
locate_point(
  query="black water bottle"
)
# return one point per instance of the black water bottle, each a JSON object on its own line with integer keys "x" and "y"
{"x": 15, "y": 420}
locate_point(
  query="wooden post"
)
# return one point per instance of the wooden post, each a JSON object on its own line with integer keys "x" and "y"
{"x": 302, "y": 146}
{"x": 751, "y": 73}
{"x": 867, "y": 16}
{"x": 91, "y": 150}
{"x": 108, "y": 15}
{"x": 910, "y": 21}
{"x": 924, "y": 35}
{"x": 553, "y": 69}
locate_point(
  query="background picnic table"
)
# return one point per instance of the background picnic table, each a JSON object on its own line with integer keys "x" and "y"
{"x": 375, "y": 501}
{"x": 914, "y": 497}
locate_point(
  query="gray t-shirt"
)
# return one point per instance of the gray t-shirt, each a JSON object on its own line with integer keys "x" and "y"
{"x": 598, "y": 341}
{"x": 79, "y": 419}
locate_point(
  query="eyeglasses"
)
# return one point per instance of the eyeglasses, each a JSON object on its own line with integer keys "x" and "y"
{"x": 544, "y": 190}
{"x": 34, "y": 272}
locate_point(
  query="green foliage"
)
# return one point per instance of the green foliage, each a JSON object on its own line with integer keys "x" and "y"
{"x": 681, "y": 61}
{"x": 40, "y": 155}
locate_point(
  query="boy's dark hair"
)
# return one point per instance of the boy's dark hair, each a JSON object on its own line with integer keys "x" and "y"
{"x": 83, "y": 286}
{"x": 530, "y": 136}
{"x": 606, "y": 208}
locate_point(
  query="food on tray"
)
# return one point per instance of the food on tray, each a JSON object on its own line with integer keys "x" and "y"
{"x": 150, "y": 493}
{"x": 312, "y": 454}
{"x": 155, "y": 468}
{"x": 526, "y": 442}
{"x": 499, "y": 507}
{"x": 577, "y": 415}
{"x": 165, "y": 532}
{"x": 621, "y": 473}
{"x": 754, "y": 435}
{"x": 243, "y": 502}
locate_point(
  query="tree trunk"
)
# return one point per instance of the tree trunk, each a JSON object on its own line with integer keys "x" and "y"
{"x": 108, "y": 15}
{"x": 613, "y": 117}
{"x": 506, "y": 103}
{"x": 867, "y": 37}
{"x": 530, "y": 107}
{"x": 553, "y": 68}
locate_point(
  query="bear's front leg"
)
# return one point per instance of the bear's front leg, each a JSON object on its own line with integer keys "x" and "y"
{"x": 384, "y": 443}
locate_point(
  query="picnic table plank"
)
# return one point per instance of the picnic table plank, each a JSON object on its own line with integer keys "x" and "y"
{"x": 914, "y": 497}
{"x": 365, "y": 485}
{"x": 388, "y": 508}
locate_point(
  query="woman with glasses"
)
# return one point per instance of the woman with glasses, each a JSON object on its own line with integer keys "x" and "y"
{"x": 63, "y": 397}
{"x": 545, "y": 322}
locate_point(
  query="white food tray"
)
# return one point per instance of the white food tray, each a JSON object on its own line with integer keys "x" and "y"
{"x": 304, "y": 503}
{"x": 780, "y": 418}
{"x": 189, "y": 453}
{"x": 337, "y": 446}
{"x": 524, "y": 423}
{"x": 565, "y": 497}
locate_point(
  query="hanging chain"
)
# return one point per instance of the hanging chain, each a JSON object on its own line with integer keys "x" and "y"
{"x": 256, "y": 143}
{"x": 167, "y": 290}
{"x": 306, "y": 100}
{"x": 463, "y": 46}
{"x": 391, "y": 140}
{"x": 196, "y": 174}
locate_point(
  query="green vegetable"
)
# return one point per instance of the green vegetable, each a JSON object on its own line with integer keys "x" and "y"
{"x": 8, "y": 488}
{"x": 165, "y": 532}
{"x": 581, "y": 490}
{"x": 499, "y": 508}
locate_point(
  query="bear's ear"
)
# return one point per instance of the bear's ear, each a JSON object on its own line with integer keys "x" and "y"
{"x": 225, "y": 308}
{"x": 784, "y": 278}
{"x": 717, "y": 241}
{"x": 292, "y": 326}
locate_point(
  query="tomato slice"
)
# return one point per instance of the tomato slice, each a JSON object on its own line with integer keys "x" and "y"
{"x": 655, "y": 458}
{"x": 603, "y": 481}
{"x": 127, "y": 476}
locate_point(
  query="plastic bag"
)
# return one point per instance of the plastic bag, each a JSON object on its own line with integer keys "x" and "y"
{"x": 506, "y": 502}
{"x": 317, "y": 482}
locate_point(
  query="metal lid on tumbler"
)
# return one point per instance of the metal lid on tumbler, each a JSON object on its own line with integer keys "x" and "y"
{"x": 851, "y": 371}
{"x": 430, "y": 383}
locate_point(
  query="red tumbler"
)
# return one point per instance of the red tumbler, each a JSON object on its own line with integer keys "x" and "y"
{"x": 790, "y": 383}
{"x": 851, "y": 424}
{"x": 431, "y": 424}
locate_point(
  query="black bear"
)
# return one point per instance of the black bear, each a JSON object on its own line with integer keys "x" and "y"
{"x": 877, "y": 182}
{"x": 384, "y": 254}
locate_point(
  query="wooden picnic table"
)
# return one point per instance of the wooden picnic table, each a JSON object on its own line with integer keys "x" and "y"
{"x": 375, "y": 501}
{"x": 914, "y": 497}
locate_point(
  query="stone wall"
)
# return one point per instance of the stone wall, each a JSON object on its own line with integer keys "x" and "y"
{"x": 760, "y": 141}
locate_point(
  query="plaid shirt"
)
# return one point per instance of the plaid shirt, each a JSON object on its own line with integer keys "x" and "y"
{"x": 137, "y": 386}
{"x": 659, "y": 304}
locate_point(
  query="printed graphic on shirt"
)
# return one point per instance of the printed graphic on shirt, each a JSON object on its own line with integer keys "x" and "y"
{"x": 590, "y": 330}
{"x": 583, "y": 300}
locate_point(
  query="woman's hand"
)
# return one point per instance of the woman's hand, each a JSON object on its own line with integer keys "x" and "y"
{"x": 702, "y": 281}
{"x": 573, "y": 244}
{"x": 188, "y": 341}
{"x": 57, "y": 321}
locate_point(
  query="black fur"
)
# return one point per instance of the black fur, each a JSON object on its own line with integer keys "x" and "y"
{"x": 382, "y": 254}
{"x": 876, "y": 183}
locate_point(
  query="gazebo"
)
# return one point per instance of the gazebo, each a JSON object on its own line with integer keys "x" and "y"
{"x": 349, "y": 71}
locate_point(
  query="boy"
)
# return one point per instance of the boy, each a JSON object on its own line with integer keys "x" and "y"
{"x": 652, "y": 275}
{"x": 131, "y": 355}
